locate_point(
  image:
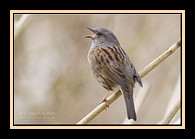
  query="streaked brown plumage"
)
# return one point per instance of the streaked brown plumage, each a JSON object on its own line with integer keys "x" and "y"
{"x": 112, "y": 67}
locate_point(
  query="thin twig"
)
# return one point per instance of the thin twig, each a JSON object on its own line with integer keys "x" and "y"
{"x": 172, "y": 113}
{"x": 20, "y": 24}
{"x": 142, "y": 73}
{"x": 173, "y": 106}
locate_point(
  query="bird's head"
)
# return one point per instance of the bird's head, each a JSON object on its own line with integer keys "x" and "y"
{"x": 102, "y": 37}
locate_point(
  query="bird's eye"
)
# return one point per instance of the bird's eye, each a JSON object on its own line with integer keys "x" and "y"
{"x": 99, "y": 33}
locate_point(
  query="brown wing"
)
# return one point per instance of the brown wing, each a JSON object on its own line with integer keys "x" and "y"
{"x": 117, "y": 76}
{"x": 136, "y": 75}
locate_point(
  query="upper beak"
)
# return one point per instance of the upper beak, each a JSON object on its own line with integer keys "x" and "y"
{"x": 91, "y": 29}
{"x": 90, "y": 36}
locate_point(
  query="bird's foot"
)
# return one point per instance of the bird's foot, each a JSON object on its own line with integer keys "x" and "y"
{"x": 104, "y": 100}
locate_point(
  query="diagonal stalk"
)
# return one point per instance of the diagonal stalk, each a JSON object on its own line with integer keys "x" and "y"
{"x": 142, "y": 73}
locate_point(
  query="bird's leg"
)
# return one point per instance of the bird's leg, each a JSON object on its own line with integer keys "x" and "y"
{"x": 104, "y": 99}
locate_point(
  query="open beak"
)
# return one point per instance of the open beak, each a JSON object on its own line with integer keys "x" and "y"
{"x": 90, "y": 36}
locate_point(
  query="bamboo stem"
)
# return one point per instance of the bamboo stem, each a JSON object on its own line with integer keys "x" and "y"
{"x": 142, "y": 73}
{"x": 20, "y": 24}
{"x": 172, "y": 113}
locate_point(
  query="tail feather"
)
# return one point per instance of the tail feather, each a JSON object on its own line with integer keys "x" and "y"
{"x": 129, "y": 105}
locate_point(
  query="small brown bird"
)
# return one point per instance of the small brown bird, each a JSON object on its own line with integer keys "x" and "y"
{"x": 112, "y": 67}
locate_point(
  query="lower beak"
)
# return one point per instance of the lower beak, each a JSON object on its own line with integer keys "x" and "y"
{"x": 90, "y": 36}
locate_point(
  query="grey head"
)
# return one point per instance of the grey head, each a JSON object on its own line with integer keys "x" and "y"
{"x": 102, "y": 37}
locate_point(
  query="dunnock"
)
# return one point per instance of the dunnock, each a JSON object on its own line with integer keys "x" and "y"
{"x": 112, "y": 67}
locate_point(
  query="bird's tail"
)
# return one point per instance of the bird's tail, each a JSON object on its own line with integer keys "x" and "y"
{"x": 129, "y": 105}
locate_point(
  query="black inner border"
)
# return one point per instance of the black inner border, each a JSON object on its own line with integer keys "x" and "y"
{"x": 100, "y": 124}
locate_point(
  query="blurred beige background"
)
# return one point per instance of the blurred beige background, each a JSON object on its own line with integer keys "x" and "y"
{"x": 53, "y": 82}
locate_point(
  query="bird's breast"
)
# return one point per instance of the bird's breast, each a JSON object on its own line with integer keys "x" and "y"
{"x": 93, "y": 56}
